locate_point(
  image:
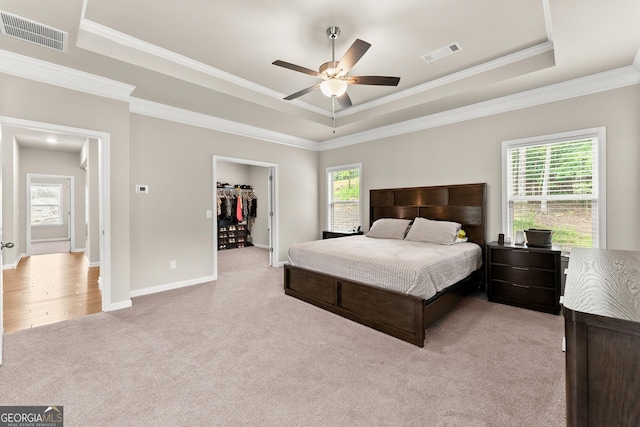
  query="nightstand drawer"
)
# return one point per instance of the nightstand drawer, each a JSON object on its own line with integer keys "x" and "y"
{"x": 524, "y": 258}
{"x": 524, "y": 275}
{"x": 522, "y": 294}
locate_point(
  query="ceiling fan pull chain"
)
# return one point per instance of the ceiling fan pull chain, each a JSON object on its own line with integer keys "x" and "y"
{"x": 333, "y": 113}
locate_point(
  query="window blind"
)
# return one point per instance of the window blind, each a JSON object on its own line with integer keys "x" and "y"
{"x": 343, "y": 196}
{"x": 554, "y": 185}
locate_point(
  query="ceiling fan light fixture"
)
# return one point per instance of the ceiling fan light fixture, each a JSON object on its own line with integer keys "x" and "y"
{"x": 333, "y": 87}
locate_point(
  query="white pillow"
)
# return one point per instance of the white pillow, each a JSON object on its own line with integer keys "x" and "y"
{"x": 430, "y": 231}
{"x": 389, "y": 228}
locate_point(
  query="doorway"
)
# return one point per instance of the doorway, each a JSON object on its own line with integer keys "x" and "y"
{"x": 51, "y": 216}
{"x": 98, "y": 209}
{"x": 264, "y": 178}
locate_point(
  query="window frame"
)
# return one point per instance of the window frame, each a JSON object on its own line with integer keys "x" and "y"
{"x": 60, "y": 204}
{"x": 329, "y": 193}
{"x": 600, "y": 183}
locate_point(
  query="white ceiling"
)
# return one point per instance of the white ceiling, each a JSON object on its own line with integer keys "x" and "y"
{"x": 215, "y": 57}
{"x": 45, "y": 140}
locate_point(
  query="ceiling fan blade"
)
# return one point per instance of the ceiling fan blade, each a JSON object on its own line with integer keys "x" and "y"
{"x": 298, "y": 68}
{"x": 373, "y": 80}
{"x": 353, "y": 55}
{"x": 302, "y": 92}
{"x": 344, "y": 100}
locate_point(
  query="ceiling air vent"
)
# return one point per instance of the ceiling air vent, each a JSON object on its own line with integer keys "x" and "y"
{"x": 32, "y": 32}
{"x": 442, "y": 52}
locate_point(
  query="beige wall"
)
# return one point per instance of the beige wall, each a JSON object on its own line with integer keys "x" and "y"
{"x": 169, "y": 223}
{"x": 470, "y": 152}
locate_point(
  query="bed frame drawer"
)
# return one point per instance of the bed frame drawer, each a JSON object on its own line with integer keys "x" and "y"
{"x": 383, "y": 307}
{"x": 320, "y": 288}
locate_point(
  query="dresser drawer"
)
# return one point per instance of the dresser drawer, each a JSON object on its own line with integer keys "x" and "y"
{"x": 522, "y": 293}
{"x": 524, "y": 275}
{"x": 524, "y": 258}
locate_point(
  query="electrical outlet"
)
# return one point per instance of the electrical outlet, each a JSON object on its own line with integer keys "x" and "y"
{"x": 173, "y": 264}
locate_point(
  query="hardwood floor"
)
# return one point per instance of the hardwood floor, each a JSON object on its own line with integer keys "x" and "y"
{"x": 46, "y": 289}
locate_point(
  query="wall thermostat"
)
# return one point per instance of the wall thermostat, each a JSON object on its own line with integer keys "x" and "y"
{"x": 142, "y": 188}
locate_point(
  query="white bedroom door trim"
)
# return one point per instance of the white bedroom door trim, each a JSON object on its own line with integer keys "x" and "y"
{"x": 1, "y": 264}
{"x": 272, "y": 206}
{"x": 104, "y": 177}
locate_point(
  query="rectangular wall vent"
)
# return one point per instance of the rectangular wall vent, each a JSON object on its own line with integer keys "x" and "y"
{"x": 32, "y": 32}
{"x": 442, "y": 52}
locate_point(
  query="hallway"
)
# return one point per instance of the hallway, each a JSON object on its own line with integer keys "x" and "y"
{"x": 50, "y": 288}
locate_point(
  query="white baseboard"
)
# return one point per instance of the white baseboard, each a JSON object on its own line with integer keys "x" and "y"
{"x": 170, "y": 286}
{"x": 15, "y": 264}
{"x": 261, "y": 246}
{"x": 78, "y": 250}
{"x": 55, "y": 239}
{"x": 119, "y": 305}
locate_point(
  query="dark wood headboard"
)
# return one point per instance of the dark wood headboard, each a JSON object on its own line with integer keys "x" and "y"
{"x": 463, "y": 203}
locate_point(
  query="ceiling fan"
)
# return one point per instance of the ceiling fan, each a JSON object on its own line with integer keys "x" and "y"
{"x": 335, "y": 75}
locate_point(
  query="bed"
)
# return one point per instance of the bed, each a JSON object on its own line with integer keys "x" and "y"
{"x": 400, "y": 308}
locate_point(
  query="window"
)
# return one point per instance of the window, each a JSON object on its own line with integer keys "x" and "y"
{"x": 343, "y": 197}
{"x": 556, "y": 182}
{"x": 46, "y": 205}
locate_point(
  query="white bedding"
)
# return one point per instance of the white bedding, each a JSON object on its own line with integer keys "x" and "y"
{"x": 413, "y": 268}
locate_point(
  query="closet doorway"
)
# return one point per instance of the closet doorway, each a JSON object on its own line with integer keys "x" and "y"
{"x": 261, "y": 231}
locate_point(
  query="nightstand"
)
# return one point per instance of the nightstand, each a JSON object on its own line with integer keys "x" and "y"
{"x": 523, "y": 276}
{"x": 333, "y": 234}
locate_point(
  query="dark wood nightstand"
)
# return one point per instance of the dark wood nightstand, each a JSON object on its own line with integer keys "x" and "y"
{"x": 528, "y": 277}
{"x": 333, "y": 234}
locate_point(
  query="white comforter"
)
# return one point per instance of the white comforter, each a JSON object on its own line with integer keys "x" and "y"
{"x": 413, "y": 268}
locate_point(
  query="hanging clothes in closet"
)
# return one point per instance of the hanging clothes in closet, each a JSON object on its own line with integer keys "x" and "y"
{"x": 236, "y": 206}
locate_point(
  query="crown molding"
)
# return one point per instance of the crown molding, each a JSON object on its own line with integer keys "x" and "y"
{"x": 45, "y": 72}
{"x": 145, "y": 48}
{"x": 58, "y": 75}
{"x": 609, "y": 80}
{"x": 451, "y": 78}
{"x": 179, "y": 115}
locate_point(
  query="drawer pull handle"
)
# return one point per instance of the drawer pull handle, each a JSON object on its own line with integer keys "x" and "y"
{"x": 520, "y": 286}
{"x": 521, "y": 251}
{"x": 520, "y": 268}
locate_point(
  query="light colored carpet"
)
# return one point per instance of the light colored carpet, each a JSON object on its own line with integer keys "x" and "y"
{"x": 52, "y": 247}
{"x": 238, "y": 352}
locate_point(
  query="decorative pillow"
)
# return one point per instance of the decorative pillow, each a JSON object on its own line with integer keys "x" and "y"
{"x": 461, "y": 237}
{"x": 430, "y": 231}
{"x": 389, "y": 228}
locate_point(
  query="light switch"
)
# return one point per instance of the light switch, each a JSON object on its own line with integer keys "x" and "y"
{"x": 209, "y": 214}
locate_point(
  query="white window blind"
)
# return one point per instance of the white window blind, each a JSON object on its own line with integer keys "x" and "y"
{"x": 343, "y": 197}
{"x": 46, "y": 204}
{"x": 555, "y": 183}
